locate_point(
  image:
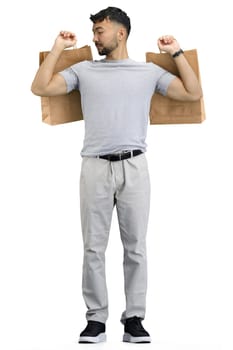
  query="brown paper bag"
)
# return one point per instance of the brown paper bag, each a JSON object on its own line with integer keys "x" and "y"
{"x": 67, "y": 108}
{"x": 167, "y": 111}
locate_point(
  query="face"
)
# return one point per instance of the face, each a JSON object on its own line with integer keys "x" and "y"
{"x": 106, "y": 36}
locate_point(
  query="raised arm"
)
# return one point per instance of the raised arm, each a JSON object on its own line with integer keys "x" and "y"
{"x": 46, "y": 83}
{"x": 187, "y": 87}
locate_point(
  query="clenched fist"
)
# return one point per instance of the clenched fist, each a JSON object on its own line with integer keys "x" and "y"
{"x": 65, "y": 39}
{"x": 168, "y": 43}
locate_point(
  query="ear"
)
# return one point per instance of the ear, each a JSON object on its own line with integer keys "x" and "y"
{"x": 121, "y": 33}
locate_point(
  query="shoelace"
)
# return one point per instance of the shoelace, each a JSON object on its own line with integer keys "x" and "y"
{"x": 137, "y": 323}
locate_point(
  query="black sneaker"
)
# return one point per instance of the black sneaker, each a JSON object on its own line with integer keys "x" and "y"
{"x": 134, "y": 331}
{"x": 93, "y": 333}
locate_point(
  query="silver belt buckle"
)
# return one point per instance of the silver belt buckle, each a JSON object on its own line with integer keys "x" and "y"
{"x": 125, "y": 152}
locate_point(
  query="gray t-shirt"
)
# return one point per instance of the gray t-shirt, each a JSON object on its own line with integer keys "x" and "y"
{"x": 115, "y": 98}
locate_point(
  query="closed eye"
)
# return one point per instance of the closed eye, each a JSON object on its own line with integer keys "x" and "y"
{"x": 98, "y": 30}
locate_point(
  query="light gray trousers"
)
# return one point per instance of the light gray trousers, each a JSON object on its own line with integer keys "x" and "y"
{"x": 104, "y": 184}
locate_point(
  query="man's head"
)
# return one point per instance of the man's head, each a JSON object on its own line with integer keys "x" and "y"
{"x": 111, "y": 27}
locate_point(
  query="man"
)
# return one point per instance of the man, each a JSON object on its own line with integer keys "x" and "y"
{"x": 115, "y": 93}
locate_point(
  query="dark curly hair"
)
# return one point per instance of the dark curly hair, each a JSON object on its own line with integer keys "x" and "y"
{"x": 113, "y": 14}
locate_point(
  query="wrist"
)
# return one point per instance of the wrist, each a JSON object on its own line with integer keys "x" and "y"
{"x": 57, "y": 50}
{"x": 177, "y": 53}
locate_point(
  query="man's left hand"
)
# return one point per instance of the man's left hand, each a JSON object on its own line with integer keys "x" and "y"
{"x": 168, "y": 43}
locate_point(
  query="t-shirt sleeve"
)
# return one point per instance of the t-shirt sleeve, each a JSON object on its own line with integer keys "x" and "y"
{"x": 71, "y": 79}
{"x": 163, "y": 81}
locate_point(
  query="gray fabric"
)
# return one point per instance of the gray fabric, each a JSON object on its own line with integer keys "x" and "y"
{"x": 126, "y": 184}
{"x": 115, "y": 97}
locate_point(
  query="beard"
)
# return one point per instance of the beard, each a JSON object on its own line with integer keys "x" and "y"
{"x": 106, "y": 50}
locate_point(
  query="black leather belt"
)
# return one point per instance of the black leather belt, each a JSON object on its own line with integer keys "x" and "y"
{"x": 121, "y": 156}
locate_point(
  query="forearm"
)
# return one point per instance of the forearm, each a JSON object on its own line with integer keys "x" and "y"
{"x": 186, "y": 87}
{"x": 188, "y": 77}
{"x": 46, "y": 71}
{"x": 46, "y": 83}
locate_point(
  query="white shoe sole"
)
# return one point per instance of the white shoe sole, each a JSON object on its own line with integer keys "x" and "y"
{"x": 130, "y": 339}
{"x": 98, "y": 339}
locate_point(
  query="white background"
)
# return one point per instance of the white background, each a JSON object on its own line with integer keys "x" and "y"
{"x": 190, "y": 304}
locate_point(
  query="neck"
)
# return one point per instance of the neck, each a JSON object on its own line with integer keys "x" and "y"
{"x": 119, "y": 54}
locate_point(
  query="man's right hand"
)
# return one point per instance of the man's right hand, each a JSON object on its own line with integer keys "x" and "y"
{"x": 65, "y": 40}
